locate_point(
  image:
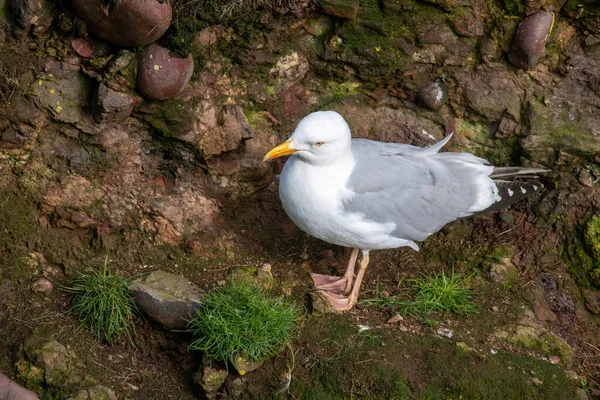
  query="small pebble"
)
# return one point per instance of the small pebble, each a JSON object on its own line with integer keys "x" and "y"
{"x": 396, "y": 318}
{"x": 445, "y": 332}
{"x": 42, "y": 285}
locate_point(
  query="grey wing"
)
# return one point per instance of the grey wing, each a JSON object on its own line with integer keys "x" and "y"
{"x": 419, "y": 190}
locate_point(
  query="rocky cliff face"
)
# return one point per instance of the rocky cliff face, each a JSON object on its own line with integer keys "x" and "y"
{"x": 157, "y": 164}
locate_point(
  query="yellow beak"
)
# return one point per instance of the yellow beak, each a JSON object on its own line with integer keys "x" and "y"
{"x": 282, "y": 150}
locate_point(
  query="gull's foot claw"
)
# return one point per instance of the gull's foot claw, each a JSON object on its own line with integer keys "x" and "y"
{"x": 331, "y": 284}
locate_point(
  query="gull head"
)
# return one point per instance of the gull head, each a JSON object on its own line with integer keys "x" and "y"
{"x": 322, "y": 137}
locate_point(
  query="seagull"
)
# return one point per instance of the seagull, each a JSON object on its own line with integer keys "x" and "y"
{"x": 371, "y": 195}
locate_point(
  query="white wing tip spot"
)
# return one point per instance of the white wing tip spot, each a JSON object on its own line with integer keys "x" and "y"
{"x": 523, "y": 190}
{"x": 510, "y": 193}
{"x": 535, "y": 187}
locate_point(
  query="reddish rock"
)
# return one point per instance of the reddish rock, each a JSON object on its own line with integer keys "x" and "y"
{"x": 592, "y": 301}
{"x": 42, "y": 285}
{"x": 83, "y": 46}
{"x": 128, "y": 22}
{"x": 543, "y": 312}
{"x": 345, "y": 9}
{"x": 161, "y": 76}
{"x": 112, "y": 105}
{"x": 530, "y": 39}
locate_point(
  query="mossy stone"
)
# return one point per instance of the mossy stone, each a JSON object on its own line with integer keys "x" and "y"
{"x": 539, "y": 339}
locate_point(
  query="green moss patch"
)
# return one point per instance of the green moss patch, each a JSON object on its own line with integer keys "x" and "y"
{"x": 341, "y": 362}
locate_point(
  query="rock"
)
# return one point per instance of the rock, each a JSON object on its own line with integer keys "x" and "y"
{"x": 97, "y": 392}
{"x": 543, "y": 312}
{"x": 53, "y": 145}
{"x": 390, "y": 125}
{"x": 83, "y": 46}
{"x": 59, "y": 364}
{"x": 395, "y": 319}
{"x": 64, "y": 97}
{"x": 42, "y": 285}
{"x": 507, "y": 127}
{"x": 109, "y": 139}
{"x": 125, "y": 22}
{"x": 187, "y": 211}
{"x": 504, "y": 273}
{"x": 243, "y": 364}
{"x": 251, "y": 167}
{"x": 468, "y": 21}
{"x": 464, "y": 347}
{"x": 210, "y": 379}
{"x": 492, "y": 91}
{"x": 536, "y": 381}
{"x": 530, "y": 39}
{"x": 208, "y": 36}
{"x": 433, "y": 96}
{"x": 161, "y": 76}
{"x": 166, "y": 298}
{"x": 75, "y": 192}
{"x": 320, "y": 304}
{"x": 345, "y": 9}
{"x": 224, "y": 132}
{"x": 592, "y": 300}
{"x": 445, "y": 332}
{"x": 238, "y": 387}
{"x": 533, "y": 336}
{"x": 31, "y": 15}
{"x": 292, "y": 67}
{"x": 119, "y": 63}
{"x": 114, "y": 106}
{"x": 581, "y": 394}
{"x": 568, "y": 124}
{"x": 10, "y": 390}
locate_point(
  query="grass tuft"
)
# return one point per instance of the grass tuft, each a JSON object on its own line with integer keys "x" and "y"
{"x": 103, "y": 303}
{"x": 438, "y": 293}
{"x": 240, "y": 319}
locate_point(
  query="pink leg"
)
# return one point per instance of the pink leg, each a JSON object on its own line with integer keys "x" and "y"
{"x": 336, "y": 284}
{"x": 344, "y": 303}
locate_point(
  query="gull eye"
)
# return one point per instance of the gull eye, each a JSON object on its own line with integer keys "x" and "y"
{"x": 318, "y": 144}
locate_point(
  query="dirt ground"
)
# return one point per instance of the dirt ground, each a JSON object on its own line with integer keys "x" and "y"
{"x": 333, "y": 357}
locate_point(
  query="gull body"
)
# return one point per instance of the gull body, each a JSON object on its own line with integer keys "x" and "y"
{"x": 371, "y": 195}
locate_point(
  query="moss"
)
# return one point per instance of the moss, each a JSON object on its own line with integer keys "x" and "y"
{"x": 338, "y": 91}
{"x": 179, "y": 39}
{"x": 582, "y": 254}
{"x": 538, "y": 339}
{"x": 169, "y": 117}
{"x": 559, "y": 132}
{"x": 372, "y": 43}
{"x": 334, "y": 352}
{"x": 515, "y": 7}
